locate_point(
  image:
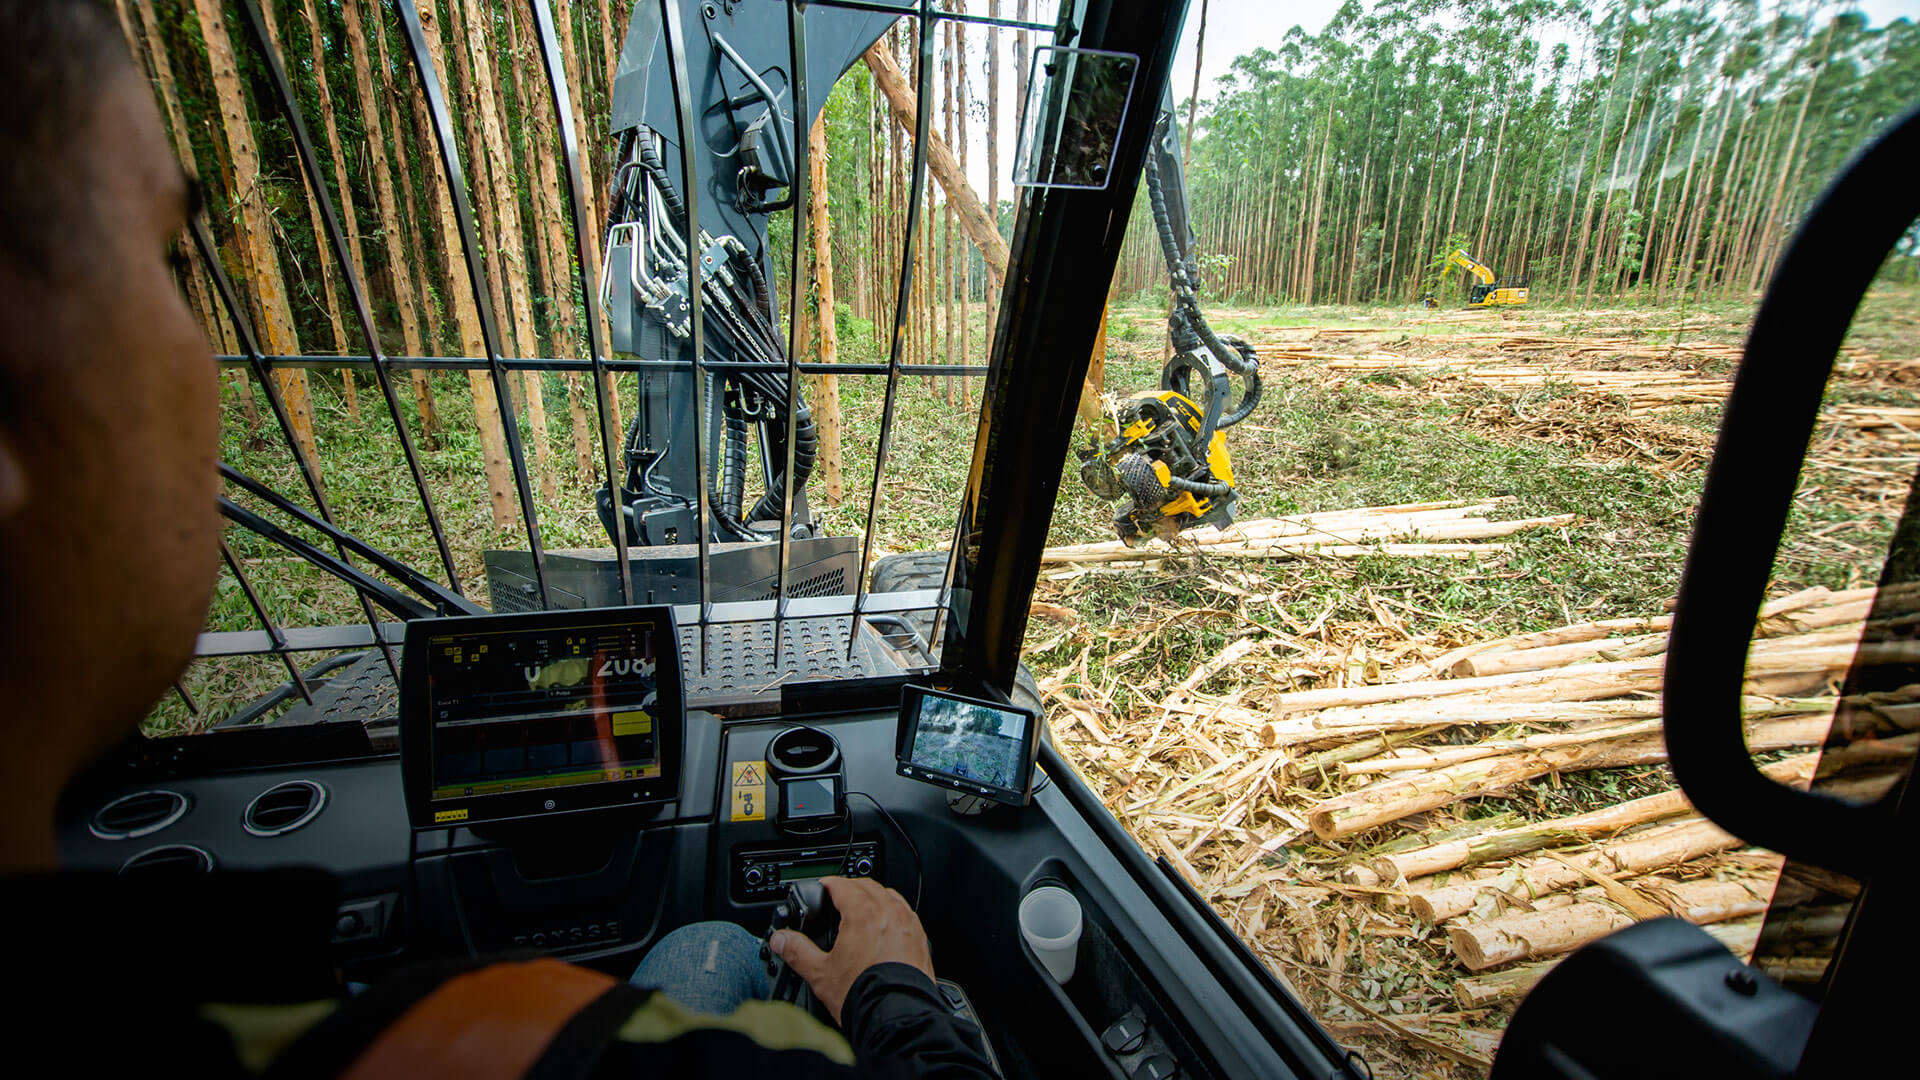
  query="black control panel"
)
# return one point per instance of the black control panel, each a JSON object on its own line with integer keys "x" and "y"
{"x": 761, "y": 875}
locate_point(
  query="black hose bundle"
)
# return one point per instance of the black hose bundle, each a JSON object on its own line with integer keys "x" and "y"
{"x": 806, "y": 449}
{"x": 650, "y": 160}
{"x": 1187, "y": 328}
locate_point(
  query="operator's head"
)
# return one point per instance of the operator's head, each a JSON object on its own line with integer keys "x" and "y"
{"x": 108, "y": 404}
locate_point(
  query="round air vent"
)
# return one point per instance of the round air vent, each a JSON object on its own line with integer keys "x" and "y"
{"x": 139, "y": 814}
{"x": 169, "y": 859}
{"x": 284, "y": 808}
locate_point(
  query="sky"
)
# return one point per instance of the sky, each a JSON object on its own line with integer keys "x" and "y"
{"x": 1237, "y": 27}
{"x": 1234, "y": 28}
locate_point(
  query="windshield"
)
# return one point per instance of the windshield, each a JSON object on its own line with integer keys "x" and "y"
{"x": 448, "y": 313}
{"x": 1399, "y": 722}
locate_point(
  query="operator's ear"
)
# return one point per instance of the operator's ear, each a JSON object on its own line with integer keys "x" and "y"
{"x": 14, "y": 486}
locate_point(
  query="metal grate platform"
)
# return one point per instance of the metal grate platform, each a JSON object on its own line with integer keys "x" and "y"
{"x": 742, "y": 658}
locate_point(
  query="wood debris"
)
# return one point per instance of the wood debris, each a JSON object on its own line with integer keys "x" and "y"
{"x": 1326, "y": 789}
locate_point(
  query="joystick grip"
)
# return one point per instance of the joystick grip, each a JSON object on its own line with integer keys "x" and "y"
{"x": 808, "y": 909}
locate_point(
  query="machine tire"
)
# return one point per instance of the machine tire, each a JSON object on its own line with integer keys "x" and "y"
{"x": 910, "y": 570}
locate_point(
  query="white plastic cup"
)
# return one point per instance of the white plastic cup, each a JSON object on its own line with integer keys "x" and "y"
{"x": 1050, "y": 921}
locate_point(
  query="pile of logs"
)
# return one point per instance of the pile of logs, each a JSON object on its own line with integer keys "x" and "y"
{"x": 1276, "y": 802}
{"x": 1410, "y": 530}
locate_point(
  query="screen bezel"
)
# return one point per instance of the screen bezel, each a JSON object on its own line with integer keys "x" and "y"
{"x": 416, "y": 721}
{"x": 912, "y": 699}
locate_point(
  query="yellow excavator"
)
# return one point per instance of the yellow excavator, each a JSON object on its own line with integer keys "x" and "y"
{"x": 1488, "y": 290}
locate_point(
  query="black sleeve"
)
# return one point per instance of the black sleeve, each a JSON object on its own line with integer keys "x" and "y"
{"x": 900, "y": 1026}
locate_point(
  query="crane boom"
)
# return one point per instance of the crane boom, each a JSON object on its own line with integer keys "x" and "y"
{"x": 1471, "y": 265}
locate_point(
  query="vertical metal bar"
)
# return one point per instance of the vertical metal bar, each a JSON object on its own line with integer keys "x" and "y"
{"x": 922, "y": 117}
{"x": 266, "y": 622}
{"x": 690, "y": 144}
{"x": 577, "y": 206}
{"x": 243, "y": 331}
{"x": 796, "y": 293}
{"x": 193, "y": 707}
{"x": 477, "y": 279}
{"x": 336, "y": 238}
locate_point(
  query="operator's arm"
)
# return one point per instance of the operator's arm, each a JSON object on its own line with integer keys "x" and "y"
{"x": 877, "y": 982}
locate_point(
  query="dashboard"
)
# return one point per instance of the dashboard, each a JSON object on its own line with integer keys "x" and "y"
{"x": 598, "y": 885}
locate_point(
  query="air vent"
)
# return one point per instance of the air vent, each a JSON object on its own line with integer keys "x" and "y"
{"x": 284, "y": 808}
{"x": 170, "y": 859}
{"x": 142, "y": 813}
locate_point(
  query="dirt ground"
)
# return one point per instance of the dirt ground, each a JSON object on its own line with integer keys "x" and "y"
{"x": 1233, "y": 710}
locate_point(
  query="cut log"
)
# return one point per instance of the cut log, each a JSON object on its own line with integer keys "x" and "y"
{"x": 1400, "y": 797}
{"x": 1652, "y": 850}
{"x": 1552, "y": 656}
{"x": 1365, "y": 748}
{"x": 1588, "y": 682}
{"x": 1430, "y": 758}
{"x": 1532, "y": 935}
{"x": 1507, "y": 843}
{"x": 1480, "y": 991}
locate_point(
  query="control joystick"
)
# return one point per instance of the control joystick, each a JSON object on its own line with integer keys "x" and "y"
{"x": 808, "y": 909}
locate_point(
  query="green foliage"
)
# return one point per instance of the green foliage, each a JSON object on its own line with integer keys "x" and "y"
{"x": 848, "y": 325}
{"x": 1666, "y": 147}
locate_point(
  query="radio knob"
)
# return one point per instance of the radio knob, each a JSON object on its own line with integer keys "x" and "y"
{"x": 862, "y": 866}
{"x": 755, "y": 876}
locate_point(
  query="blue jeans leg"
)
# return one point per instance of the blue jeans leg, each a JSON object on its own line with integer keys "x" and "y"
{"x": 710, "y": 967}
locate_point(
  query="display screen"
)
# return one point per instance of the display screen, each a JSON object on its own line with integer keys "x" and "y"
{"x": 518, "y": 710}
{"x": 810, "y": 871}
{"x": 972, "y": 745}
{"x": 808, "y": 798}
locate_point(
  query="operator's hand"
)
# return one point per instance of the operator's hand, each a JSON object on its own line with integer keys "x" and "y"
{"x": 876, "y": 927}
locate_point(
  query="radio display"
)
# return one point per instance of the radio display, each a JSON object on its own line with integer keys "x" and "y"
{"x": 811, "y": 871}
{"x": 525, "y": 713}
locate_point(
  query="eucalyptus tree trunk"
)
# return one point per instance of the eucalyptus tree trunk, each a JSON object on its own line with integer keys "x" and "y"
{"x": 466, "y": 316}
{"x": 273, "y": 316}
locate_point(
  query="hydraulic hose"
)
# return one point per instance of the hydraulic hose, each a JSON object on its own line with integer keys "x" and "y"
{"x": 1187, "y": 328}
{"x": 733, "y": 455}
{"x": 806, "y": 449}
{"x": 1200, "y": 487}
{"x": 650, "y": 161}
{"x": 717, "y": 505}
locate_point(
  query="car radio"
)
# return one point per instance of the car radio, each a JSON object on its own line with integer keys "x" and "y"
{"x": 761, "y": 875}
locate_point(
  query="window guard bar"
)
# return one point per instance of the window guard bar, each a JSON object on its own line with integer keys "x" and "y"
{"x": 690, "y": 144}
{"x": 266, "y": 622}
{"x": 243, "y": 330}
{"x": 577, "y": 209}
{"x": 423, "y": 66}
{"x": 781, "y": 607}
{"x": 802, "y": 198}
{"x": 922, "y": 117}
{"x": 369, "y": 587}
{"x": 443, "y": 600}
{"x": 904, "y": 10}
{"x": 356, "y": 290}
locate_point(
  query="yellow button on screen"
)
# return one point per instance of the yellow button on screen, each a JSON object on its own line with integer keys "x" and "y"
{"x": 636, "y": 722}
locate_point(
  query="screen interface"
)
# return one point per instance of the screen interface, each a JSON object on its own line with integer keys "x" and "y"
{"x": 808, "y": 798}
{"x": 973, "y": 742}
{"x": 519, "y": 710}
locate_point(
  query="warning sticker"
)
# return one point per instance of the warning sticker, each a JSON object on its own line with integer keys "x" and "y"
{"x": 749, "y": 791}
